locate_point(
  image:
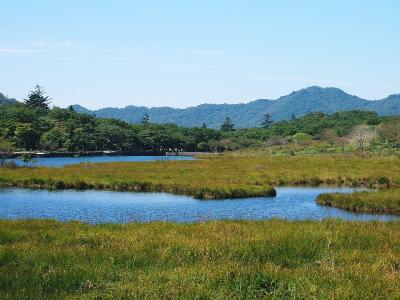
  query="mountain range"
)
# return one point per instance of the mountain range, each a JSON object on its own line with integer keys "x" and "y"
{"x": 311, "y": 99}
{"x": 5, "y": 100}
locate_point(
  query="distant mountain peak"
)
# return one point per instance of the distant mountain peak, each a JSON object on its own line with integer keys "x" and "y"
{"x": 310, "y": 99}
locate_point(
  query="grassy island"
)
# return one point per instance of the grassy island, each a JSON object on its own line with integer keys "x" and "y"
{"x": 213, "y": 177}
{"x": 384, "y": 201}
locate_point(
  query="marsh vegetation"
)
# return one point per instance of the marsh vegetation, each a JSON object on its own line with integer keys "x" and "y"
{"x": 213, "y": 260}
{"x": 384, "y": 201}
{"x": 214, "y": 177}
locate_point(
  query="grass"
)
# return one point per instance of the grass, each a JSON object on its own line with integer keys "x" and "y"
{"x": 383, "y": 201}
{"x": 213, "y": 177}
{"x": 273, "y": 259}
{"x": 213, "y": 260}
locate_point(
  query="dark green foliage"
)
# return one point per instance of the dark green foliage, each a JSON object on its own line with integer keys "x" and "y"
{"x": 66, "y": 130}
{"x": 267, "y": 121}
{"x": 59, "y": 129}
{"x": 146, "y": 119}
{"x": 37, "y": 98}
{"x": 27, "y": 157}
{"x": 5, "y": 150}
{"x": 312, "y": 124}
{"x": 227, "y": 125}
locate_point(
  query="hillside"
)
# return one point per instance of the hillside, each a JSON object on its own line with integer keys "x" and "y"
{"x": 5, "y": 100}
{"x": 312, "y": 99}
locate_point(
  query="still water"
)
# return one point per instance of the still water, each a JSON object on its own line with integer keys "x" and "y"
{"x": 62, "y": 161}
{"x": 121, "y": 207}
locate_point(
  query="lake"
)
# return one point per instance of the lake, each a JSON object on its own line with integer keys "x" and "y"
{"x": 92, "y": 206}
{"x": 62, "y": 161}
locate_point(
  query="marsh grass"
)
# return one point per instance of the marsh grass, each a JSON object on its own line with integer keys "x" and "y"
{"x": 211, "y": 260}
{"x": 213, "y": 177}
{"x": 384, "y": 201}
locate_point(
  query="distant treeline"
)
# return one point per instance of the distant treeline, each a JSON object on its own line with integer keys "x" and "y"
{"x": 56, "y": 129}
{"x": 64, "y": 129}
{"x": 32, "y": 125}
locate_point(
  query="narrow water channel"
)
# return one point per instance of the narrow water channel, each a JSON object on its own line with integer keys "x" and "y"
{"x": 120, "y": 207}
{"x": 63, "y": 161}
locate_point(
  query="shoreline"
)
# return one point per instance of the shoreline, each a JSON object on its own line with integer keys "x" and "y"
{"x": 38, "y": 154}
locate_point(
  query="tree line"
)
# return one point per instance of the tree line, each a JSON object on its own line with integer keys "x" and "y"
{"x": 33, "y": 125}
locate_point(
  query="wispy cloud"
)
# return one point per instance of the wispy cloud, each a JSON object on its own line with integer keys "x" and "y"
{"x": 300, "y": 79}
{"x": 17, "y": 50}
{"x": 38, "y": 46}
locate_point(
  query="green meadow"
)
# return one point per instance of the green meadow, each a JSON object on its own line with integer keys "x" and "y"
{"x": 213, "y": 260}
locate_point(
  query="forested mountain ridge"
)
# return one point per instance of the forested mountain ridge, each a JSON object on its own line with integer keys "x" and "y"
{"x": 245, "y": 115}
{"x": 5, "y": 100}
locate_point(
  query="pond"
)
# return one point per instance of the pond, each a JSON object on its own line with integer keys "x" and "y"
{"x": 62, "y": 161}
{"x": 120, "y": 207}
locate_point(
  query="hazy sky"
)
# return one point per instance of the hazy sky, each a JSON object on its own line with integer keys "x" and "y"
{"x": 183, "y": 53}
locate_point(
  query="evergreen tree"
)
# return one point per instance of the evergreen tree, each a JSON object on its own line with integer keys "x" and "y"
{"x": 37, "y": 98}
{"x": 267, "y": 121}
{"x": 146, "y": 119}
{"x": 204, "y": 125}
{"x": 293, "y": 117}
{"x": 227, "y": 125}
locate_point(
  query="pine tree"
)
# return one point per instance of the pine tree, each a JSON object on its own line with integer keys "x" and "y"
{"x": 204, "y": 125}
{"x": 37, "y": 98}
{"x": 146, "y": 119}
{"x": 227, "y": 125}
{"x": 293, "y": 117}
{"x": 267, "y": 121}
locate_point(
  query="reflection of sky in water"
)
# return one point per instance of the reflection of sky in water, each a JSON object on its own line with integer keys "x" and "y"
{"x": 62, "y": 161}
{"x": 120, "y": 207}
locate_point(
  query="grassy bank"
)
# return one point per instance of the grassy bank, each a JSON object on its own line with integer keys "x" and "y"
{"x": 219, "y": 260}
{"x": 213, "y": 177}
{"x": 383, "y": 201}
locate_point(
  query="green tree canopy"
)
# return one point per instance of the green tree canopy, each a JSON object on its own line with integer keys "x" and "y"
{"x": 227, "y": 125}
{"x": 146, "y": 119}
{"x": 37, "y": 98}
{"x": 267, "y": 121}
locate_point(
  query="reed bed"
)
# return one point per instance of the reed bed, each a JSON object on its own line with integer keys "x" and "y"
{"x": 273, "y": 259}
{"x": 383, "y": 201}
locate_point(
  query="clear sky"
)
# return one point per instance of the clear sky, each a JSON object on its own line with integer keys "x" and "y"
{"x": 182, "y": 53}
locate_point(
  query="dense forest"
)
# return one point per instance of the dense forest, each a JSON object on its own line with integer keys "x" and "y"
{"x": 33, "y": 125}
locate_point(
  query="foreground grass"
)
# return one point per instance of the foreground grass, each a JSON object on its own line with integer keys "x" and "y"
{"x": 383, "y": 201}
{"x": 219, "y": 260}
{"x": 213, "y": 177}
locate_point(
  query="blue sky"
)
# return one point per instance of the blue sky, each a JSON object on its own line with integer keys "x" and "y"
{"x": 182, "y": 53}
